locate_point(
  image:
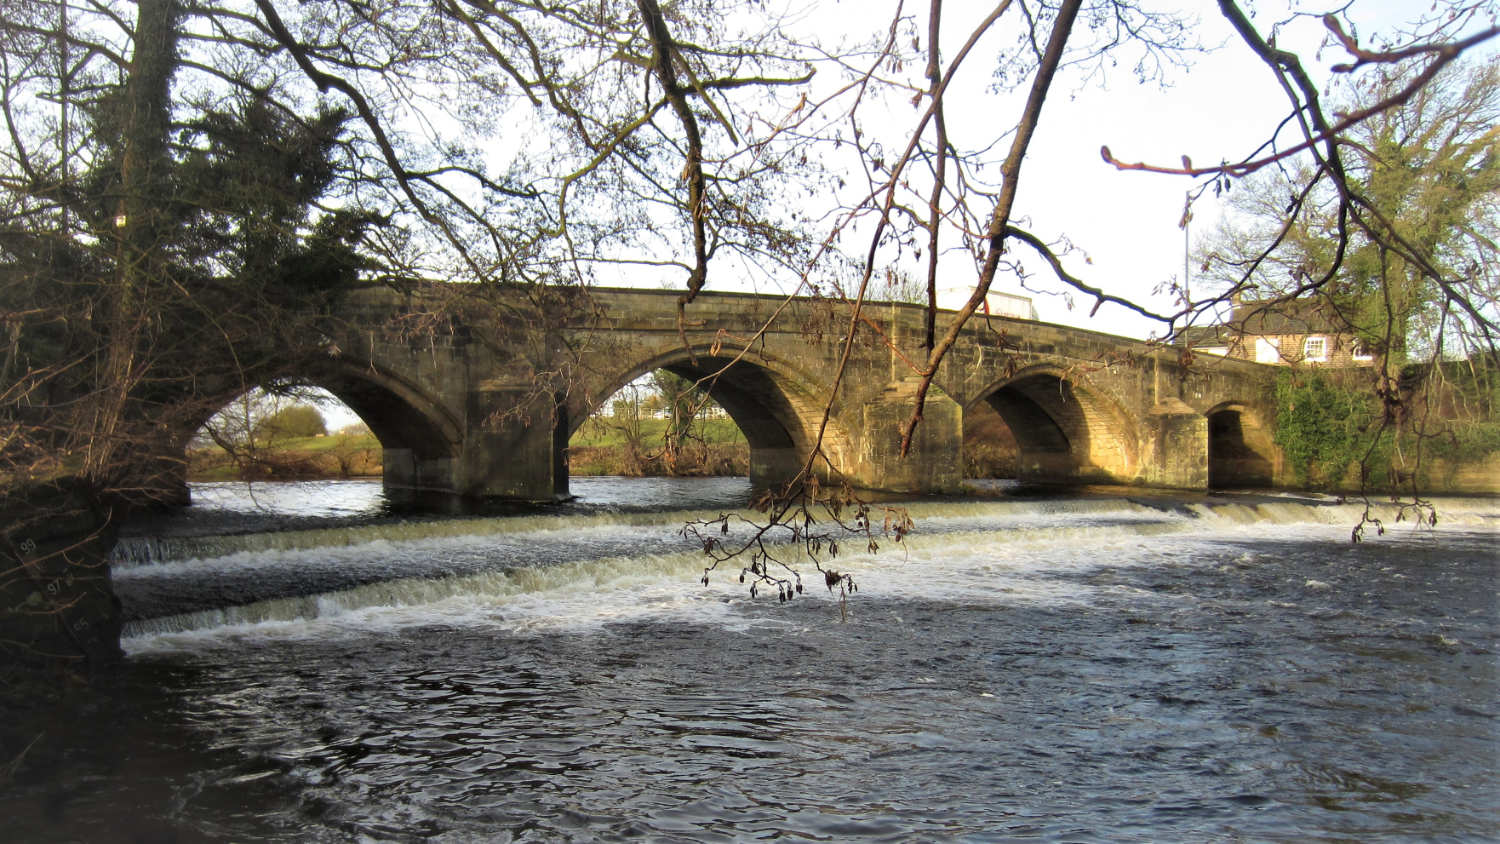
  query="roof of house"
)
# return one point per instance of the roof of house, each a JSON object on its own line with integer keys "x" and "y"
{"x": 1284, "y": 316}
{"x": 1268, "y": 317}
{"x": 1195, "y": 336}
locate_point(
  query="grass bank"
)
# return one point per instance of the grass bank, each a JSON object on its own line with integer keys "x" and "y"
{"x": 604, "y": 446}
{"x": 301, "y": 458}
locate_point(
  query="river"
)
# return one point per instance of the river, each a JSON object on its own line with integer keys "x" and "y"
{"x": 303, "y": 666}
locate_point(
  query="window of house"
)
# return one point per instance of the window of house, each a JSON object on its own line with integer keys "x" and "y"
{"x": 1268, "y": 350}
{"x": 1315, "y": 349}
{"x": 1359, "y": 351}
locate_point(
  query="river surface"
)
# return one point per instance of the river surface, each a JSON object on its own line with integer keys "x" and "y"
{"x": 1085, "y": 668}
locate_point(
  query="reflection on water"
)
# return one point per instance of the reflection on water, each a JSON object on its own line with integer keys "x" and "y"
{"x": 230, "y": 507}
{"x": 1036, "y": 669}
{"x": 646, "y": 494}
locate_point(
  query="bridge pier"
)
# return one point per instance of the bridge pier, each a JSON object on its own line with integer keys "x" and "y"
{"x": 1175, "y": 447}
{"x": 933, "y": 463}
{"x": 162, "y": 480}
{"x": 771, "y": 467}
{"x": 410, "y": 478}
{"x": 515, "y": 446}
{"x": 509, "y": 448}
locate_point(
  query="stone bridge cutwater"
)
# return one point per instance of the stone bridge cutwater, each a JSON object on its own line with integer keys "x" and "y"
{"x": 474, "y": 393}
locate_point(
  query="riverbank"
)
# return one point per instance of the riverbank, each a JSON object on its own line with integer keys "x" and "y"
{"x": 639, "y": 448}
{"x": 598, "y": 449}
{"x": 715, "y": 460}
{"x": 334, "y": 456}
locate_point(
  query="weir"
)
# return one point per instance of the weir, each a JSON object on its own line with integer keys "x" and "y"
{"x": 304, "y": 576}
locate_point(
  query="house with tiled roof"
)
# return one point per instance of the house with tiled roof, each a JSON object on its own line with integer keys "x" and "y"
{"x": 1294, "y": 332}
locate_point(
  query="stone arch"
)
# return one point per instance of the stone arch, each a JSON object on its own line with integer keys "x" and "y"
{"x": 1241, "y": 451}
{"x": 775, "y": 407}
{"x": 420, "y": 440}
{"x": 1064, "y": 429}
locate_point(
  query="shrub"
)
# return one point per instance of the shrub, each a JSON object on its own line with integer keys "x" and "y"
{"x": 299, "y": 420}
{"x": 1322, "y": 427}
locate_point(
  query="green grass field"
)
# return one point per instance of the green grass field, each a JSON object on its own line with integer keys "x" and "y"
{"x": 332, "y": 456}
{"x": 602, "y": 432}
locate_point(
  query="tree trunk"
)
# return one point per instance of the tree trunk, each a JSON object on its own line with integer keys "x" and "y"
{"x": 57, "y": 606}
{"x": 144, "y": 186}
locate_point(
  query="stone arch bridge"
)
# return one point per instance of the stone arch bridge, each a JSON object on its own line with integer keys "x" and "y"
{"x": 475, "y": 394}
